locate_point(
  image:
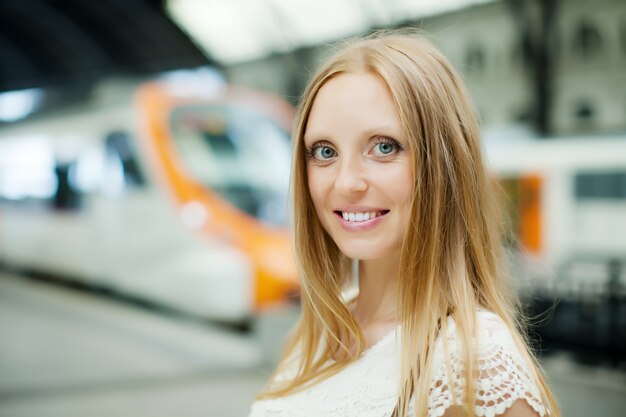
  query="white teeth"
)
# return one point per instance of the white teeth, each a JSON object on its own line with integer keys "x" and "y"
{"x": 358, "y": 217}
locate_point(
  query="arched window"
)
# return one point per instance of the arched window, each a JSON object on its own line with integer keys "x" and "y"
{"x": 475, "y": 60}
{"x": 584, "y": 111}
{"x": 584, "y": 114}
{"x": 587, "y": 42}
{"x": 522, "y": 114}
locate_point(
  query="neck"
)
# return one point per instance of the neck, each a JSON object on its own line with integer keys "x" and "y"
{"x": 378, "y": 291}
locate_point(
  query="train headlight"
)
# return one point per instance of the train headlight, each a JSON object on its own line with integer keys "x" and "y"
{"x": 194, "y": 215}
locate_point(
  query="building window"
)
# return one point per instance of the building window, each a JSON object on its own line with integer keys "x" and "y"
{"x": 475, "y": 60}
{"x": 584, "y": 112}
{"x": 522, "y": 114}
{"x": 588, "y": 42}
{"x": 522, "y": 52}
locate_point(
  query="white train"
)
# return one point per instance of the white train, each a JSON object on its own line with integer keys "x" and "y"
{"x": 175, "y": 194}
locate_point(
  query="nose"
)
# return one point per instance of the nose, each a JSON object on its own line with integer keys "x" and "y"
{"x": 351, "y": 176}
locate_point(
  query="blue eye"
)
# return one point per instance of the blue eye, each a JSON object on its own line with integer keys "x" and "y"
{"x": 323, "y": 152}
{"x": 385, "y": 148}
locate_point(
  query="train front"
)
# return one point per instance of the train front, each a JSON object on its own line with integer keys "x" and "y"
{"x": 223, "y": 154}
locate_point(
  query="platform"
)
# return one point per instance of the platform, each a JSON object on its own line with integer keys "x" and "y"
{"x": 69, "y": 353}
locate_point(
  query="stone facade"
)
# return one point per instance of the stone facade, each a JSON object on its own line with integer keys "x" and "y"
{"x": 587, "y": 49}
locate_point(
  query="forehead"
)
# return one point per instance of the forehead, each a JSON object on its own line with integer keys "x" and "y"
{"x": 350, "y": 104}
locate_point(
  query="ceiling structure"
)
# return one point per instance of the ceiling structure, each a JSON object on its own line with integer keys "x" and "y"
{"x": 233, "y": 31}
{"x": 76, "y": 42}
{"x": 53, "y": 51}
{"x": 46, "y": 43}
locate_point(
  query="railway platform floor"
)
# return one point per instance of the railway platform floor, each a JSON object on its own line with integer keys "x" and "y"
{"x": 69, "y": 353}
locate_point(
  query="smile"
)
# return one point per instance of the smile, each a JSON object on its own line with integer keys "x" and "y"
{"x": 361, "y": 216}
{"x": 360, "y": 221}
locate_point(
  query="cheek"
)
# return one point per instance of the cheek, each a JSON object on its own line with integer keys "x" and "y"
{"x": 399, "y": 185}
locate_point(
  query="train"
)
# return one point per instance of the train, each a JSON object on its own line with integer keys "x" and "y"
{"x": 564, "y": 200}
{"x": 172, "y": 191}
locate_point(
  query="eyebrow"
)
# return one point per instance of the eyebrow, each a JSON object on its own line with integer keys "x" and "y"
{"x": 371, "y": 131}
{"x": 313, "y": 137}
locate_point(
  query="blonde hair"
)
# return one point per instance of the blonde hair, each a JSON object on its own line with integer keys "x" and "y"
{"x": 450, "y": 257}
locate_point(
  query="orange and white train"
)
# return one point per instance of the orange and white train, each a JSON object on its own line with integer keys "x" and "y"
{"x": 566, "y": 205}
{"x": 175, "y": 193}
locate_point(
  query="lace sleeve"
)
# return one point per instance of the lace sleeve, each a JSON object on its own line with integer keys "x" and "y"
{"x": 503, "y": 374}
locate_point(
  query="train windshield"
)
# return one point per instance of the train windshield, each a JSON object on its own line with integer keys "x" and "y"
{"x": 240, "y": 154}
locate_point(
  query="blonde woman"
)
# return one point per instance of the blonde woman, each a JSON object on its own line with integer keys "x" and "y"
{"x": 388, "y": 175}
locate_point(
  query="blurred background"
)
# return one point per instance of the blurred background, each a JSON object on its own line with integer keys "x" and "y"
{"x": 145, "y": 264}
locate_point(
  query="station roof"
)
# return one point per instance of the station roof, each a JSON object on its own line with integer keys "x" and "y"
{"x": 47, "y": 43}
{"x": 69, "y": 42}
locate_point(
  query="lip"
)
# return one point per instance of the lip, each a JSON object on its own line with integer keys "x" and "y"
{"x": 362, "y": 209}
{"x": 363, "y": 225}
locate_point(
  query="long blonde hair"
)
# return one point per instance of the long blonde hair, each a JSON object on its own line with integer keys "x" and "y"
{"x": 450, "y": 259}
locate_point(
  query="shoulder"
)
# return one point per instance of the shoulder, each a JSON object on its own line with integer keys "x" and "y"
{"x": 491, "y": 333}
{"x": 503, "y": 370}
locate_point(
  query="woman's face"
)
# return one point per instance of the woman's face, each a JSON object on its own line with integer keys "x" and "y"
{"x": 359, "y": 166}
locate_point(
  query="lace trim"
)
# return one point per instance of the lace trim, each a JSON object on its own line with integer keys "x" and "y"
{"x": 503, "y": 376}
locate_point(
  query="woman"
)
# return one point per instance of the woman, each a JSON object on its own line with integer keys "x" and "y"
{"x": 388, "y": 171}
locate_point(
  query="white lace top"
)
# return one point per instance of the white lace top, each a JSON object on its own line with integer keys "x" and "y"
{"x": 369, "y": 386}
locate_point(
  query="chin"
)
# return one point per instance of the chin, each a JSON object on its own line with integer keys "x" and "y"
{"x": 362, "y": 252}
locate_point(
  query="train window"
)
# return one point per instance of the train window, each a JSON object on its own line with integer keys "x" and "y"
{"x": 120, "y": 148}
{"x": 27, "y": 171}
{"x": 600, "y": 185}
{"x": 238, "y": 153}
{"x": 89, "y": 172}
{"x": 66, "y": 195}
{"x": 215, "y": 134}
